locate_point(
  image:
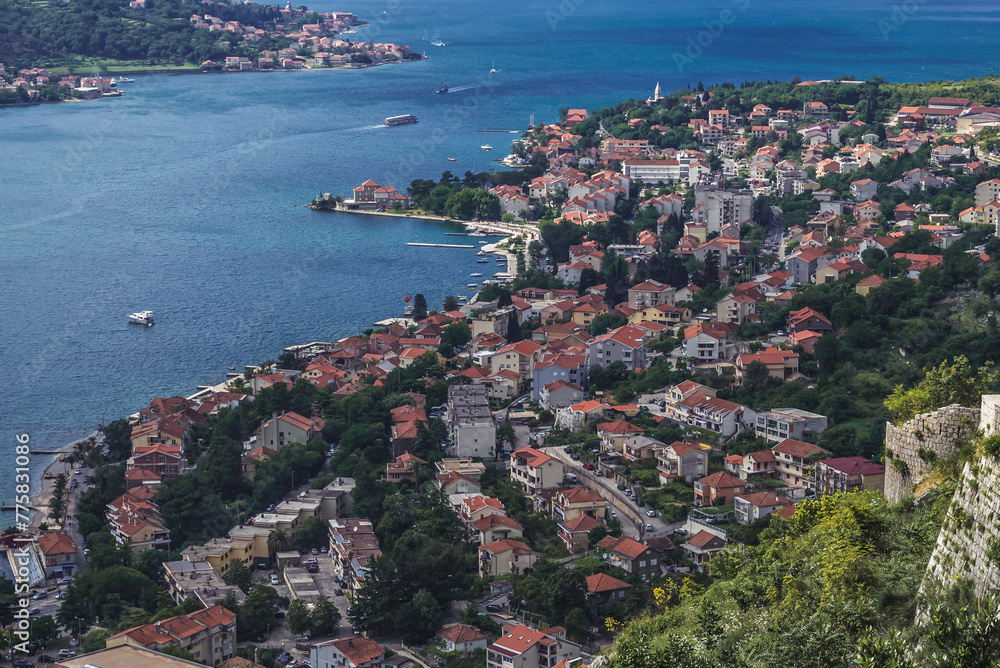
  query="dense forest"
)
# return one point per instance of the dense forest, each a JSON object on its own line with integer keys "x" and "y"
{"x": 53, "y": 34}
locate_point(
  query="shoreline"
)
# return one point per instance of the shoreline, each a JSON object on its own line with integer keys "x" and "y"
{"x": 510, "y": 229}
{"x": 40, "y": 498}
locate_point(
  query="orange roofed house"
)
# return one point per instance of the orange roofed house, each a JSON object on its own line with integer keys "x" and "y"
{"x": 506, "y": 556}
{"x": 59, "y": 553}
{"x": 718, "y": 488}
{"x": 209, "y": 635}
{"x": 352, "y": 652}
{"x": 291, "y": 427}
{"x": 524, "y": 647}
{"x": 535, "y": 470}
{"x": 603, "y": 591}
{"x": 781, "y": 364}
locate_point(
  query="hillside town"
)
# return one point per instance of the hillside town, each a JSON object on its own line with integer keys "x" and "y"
{"x": 682, "y": 362}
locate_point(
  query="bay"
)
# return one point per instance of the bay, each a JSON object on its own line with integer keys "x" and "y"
{"x": 186, "y": 195}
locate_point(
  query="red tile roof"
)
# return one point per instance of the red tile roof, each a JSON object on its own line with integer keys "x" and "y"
{"x": 601, "y": 582}
{"x": 721, "y": 480}
{"x": 56, "y": 543}
{"x": 460, "y": 633}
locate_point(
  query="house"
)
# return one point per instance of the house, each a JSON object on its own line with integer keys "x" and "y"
{"x": 626, "y": 345}
{"x": 637, "y": 448}
{"x": 350, "y": 652}
{"x": 838, "y": 270}
{"x": 197, "y": 580}
{"x": 134, "y": 520}
{"x": 573, "y": 502}
{"x": 209, "y": 635}
{"x": 650, "y": 293}
{"x": 807, "y": 318}
{"x": 751, "y": 507}
{"x": 705, "y": 341}
{"x": 702, "y": 546}
{"x": 919, "y": 262}
{"x": 603, "y": 591}
{"x": 864, "y": 190}
{"x": 803, "y": 264}
{"x": 560, "y": 394}
{"x": 866, "y": 285}
{"x": 524, "y": 647}
{"x": 462, "y": 638}
{"x": 718, "y": 415}
{"x": 848, "y": 474}
{"x": 781, "y": 364}
{"x": 504, "y": 557}
{"x": 519, "y": 357}
{"x": 682, "y": 460}
{"x": 575, "y": 533}
{"x": 717, "y": 489}
{"x": 163, "y": 461}
{"x": 475, "y": 507}
{"x": 404, "y": 468}
{"x": 793, "y": 461}
{"x": 287, "y": 428}
{"x": 59, "y": 554}
{"x": 779, "y": 424}
{"x": 495, "y": 527}
{"x": 614, "y": 434}
{"x": 751, "y": 464}
{"x": 631, "y": 556}
{"x": 454, "y": 482}
{"x": 471, "y": 423}
{"x": 535, "y": 470}
{"x": 735, "y": 308}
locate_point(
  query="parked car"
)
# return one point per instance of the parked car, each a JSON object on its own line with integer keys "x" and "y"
{"x": 39, "y": 595}
{"x": 45, "y": 658}
{"x": 65, "y": 580}
{"x": 568, "y": 450}
{"x": 74, "y": 484}
{"x": 338, "y": 591}
{"x": 66, "y": 654}
{"x": 644, "y": 408}
{"x": 574, "y": 456}
{"x": 621, "y": 487}
{"x": 23, "y": 663}
{"x": 614, "y": 515}
{"x": 275, "y": 580}
{"x": 651, "y": 513}
{"x": 493, "y": 608}
{"x": 681, "y": 531}
{"x": 312, "y": 568}
{"x": 640, "y": 503}
{"x": 314, "y": 551}
{"x": 285, "y": 657}
{"x": 588, "y": 466}
{"x": 77, "y": 471}
{"x": 649, "y": 527}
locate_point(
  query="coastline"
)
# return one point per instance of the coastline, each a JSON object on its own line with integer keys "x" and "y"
{"x": 40, "y": 498}
{"x": 505, "y": 228}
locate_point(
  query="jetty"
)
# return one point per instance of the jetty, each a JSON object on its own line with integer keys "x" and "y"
{"x": 415, "y": 243}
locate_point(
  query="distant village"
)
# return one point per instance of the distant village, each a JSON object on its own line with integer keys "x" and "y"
{"x": 313, "y": 45}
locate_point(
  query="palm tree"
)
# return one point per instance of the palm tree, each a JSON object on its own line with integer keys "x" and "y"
{"x": 279, "y": 540}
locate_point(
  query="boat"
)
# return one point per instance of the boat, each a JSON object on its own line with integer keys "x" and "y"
{"x": 493, "y": 70}
{"x": 480, "y": 235}
{"x": 463, "y": 298}
{"x": 401, "y": 120}
{"x": 451, "y": 159}
{"x": 141, "y": 318}
{"x": 437, "y": 42}
{"x": 481, "y": 251}
{"x": 486, "y": 147}
{"x": 475, "y": 275}
{"x": 475, "y": 234}
{"x": 442, "y": 89}
{"x": 472, "y": 286}
{"x": 482, "y": 260}
{"x": 123, "y": 79}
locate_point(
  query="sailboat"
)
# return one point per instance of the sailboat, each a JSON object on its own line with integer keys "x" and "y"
{"x": 494, "y": 69}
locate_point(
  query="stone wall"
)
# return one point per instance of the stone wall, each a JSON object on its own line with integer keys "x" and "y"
{"x": 911, "y": 449}
{"x": 971, "y": 531}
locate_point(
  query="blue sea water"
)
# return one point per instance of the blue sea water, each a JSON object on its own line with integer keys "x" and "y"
{"x": 186, "y": 195}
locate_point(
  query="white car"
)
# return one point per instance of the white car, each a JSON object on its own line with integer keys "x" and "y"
{"x": 275, "y": 580}
{"x": 66, "y": 654}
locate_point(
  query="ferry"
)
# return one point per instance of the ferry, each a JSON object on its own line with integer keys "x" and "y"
{"x": 400, "y": 120}
{"x": 141, "y": 318}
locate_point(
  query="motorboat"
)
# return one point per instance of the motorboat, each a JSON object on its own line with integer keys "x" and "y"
{"x": 141, "y": 318}
{"x": 482, "y": 260}
{"x": 486, "y": 147}
{"x": 451, "y": 159}
{"x": 443, "y": 89}
{"x": 124, "y": 79}
{"x": 476, "y": 275}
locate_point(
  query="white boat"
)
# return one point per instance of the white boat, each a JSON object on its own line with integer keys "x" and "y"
{"x": 486, "y": 147}
{"x": 141, "y": 318}
{"x": 463, "y": 298}
{"x": 482, "y": 260}
{"x": 472, "y": 286}
{"x": 437, "y": 42}
{"x": 493, "y": 70}
{"x": 122, "y": 79}
{"x": 476, "y": 234}
{"x": 481, "y": 252}
{"x": 475, "y": 275}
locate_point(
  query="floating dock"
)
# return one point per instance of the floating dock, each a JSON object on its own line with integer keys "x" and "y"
{"x": 414, "y": 243}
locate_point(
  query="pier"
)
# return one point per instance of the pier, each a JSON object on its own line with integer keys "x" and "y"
{"x": 415, "y": 243}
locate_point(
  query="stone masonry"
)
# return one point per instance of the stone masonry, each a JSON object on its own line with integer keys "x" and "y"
{"x": 941, "y": 433}
{"x": 971, "y": 530}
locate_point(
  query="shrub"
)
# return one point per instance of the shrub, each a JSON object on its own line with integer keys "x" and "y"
{"x": 927, "y": 455}
{"x": 991, "y": 446}
{"x": 902, "y": 468}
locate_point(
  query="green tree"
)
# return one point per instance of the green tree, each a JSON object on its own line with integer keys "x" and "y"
{"x": 95, "y": 640}
{"x": 313, "y": 532}
{"x": 297, "y": 618}
{"x": 419, "y": 307}
{"x": 44, "y": 630}
{"x": 956, "y": 383}
{"x": 238, "y": 575}
{"x": 505, "y": 436}
{"x": 420, "y": 618}
{"x": 450, "y": 303}
{"x": 325, "y": 617}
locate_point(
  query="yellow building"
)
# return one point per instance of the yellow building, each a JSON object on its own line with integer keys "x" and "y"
{"x": 209, "y": 635}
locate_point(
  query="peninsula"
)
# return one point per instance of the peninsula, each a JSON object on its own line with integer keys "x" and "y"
{"x": 47, "y": 65}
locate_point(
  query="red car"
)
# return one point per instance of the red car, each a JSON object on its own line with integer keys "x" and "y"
{"x": 588, "y": 466}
